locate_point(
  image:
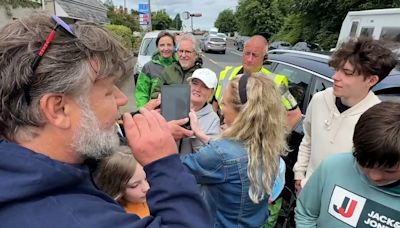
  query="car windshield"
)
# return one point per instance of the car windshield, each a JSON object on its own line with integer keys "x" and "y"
{"x": 285, "y": 44}
{"x": 148, "y": 46}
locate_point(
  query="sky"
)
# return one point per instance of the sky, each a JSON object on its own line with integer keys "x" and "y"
{"x": 208, "y": 8}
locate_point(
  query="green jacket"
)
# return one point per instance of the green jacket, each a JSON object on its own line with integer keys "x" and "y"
{"x": 149, "y": 77}
{"x": 173, "y": 74}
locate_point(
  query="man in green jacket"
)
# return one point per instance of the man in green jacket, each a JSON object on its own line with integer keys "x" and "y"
{"x": 179, "y": 72}
{"x": 151, "y": 72}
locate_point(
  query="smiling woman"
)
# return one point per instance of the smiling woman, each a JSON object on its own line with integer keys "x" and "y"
{"x": 202, "y": 83}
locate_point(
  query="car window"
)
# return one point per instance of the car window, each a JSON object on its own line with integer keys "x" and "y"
{"x": 299, "y": 81}
{"x": 319, "y": 85}
{"x": 269, "y": 65}
{"x": 148, "y": 46}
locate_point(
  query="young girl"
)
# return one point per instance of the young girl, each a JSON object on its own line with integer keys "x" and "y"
{"x": 121, "y": 177}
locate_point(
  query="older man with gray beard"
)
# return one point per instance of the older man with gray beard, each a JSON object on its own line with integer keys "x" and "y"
{"x": 59, "y": 104}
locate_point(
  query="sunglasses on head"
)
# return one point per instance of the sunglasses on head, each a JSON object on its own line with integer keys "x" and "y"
{"x": 59, "y": 24}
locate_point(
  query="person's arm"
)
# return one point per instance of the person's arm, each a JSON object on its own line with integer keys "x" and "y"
{"x": 143, "y": 89}
{"x": 303, "y": 156}
{"x": 206, "y": 164}
{"x": 293, "y": 117}
{"x": 308, "y": 204}
{"x": 211, "y": 130}
{"x": 173, "y": 190}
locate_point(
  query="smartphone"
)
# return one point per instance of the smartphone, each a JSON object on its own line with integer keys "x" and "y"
{"x": 175, "y": 102}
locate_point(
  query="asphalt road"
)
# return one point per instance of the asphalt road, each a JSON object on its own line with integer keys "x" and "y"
{"x": 214, "y": 61}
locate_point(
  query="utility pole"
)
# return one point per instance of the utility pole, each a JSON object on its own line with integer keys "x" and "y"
{"x": 150, "y": 26}
{"x": 43, "y": 8}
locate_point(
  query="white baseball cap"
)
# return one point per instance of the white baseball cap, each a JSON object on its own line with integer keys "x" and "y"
{"x": 207, "y": 76}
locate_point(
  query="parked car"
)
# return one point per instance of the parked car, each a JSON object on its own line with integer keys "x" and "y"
{"x": 280, "y": 45}
{"x": 222, "y": 35}
{"x": 213, "y": 43}
{"x": 305, "y": 46}
{"x": 240, "y": 42}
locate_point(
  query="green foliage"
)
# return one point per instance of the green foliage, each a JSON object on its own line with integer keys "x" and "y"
{"x": 256, "y": 16}
{"x": 17, "y": 3}
{"x": 123, "y": 34}
{"x": 160, "y": 20}
{"x": 291, "y": 30}
{"x": 226, "y": 21}
{"x": 323, "y": 18}
{"x": 177, "y": 22}
{"x": 121, "y": 18}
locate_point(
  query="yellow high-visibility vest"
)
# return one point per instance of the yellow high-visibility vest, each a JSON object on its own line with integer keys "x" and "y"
{"x": 288, "y": 101}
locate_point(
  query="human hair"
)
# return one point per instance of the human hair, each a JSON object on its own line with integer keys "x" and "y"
{"x": 261, "y": 127}
{"x": 376, "y": 136}
{"x": 369, "y": 57}
{"x": 191, "y": 38}
{"x": 65, "y": 68}
{"x": 114, "y": 173}
{"x": 259, "y": 38}
{"x": 163, "y": 34}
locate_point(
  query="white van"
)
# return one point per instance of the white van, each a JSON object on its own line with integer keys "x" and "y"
{"x": 379, "y": 24}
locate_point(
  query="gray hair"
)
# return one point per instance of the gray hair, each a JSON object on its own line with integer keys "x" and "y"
{"x": 191, "y": 38}
{"x": 64, "y": 69}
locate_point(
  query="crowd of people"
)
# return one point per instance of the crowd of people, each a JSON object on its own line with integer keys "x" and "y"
{"x": 59, "y": 107}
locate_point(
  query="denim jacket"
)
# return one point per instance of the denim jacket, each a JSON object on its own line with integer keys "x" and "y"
{"x": 221, "y": 169}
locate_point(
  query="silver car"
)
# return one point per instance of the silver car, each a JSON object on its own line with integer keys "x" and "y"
{"x": 213, "y": 43}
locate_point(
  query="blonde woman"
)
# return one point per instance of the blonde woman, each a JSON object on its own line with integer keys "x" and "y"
{"x": 237, "y": 170}
{"x": 123, "y": 178}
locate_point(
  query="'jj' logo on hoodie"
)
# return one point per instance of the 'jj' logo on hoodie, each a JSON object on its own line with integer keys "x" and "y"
{"x": 342, "y": 209}
{"x": 346, "y": 206}
{"x": 358, "y": 211}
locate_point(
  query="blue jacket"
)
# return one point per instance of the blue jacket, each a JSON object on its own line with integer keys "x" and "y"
{"x": 36, "y": 191}
{"x": 221, "y": 169}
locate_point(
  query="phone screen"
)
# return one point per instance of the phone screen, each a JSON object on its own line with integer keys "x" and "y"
{"x": 175, "y": 101}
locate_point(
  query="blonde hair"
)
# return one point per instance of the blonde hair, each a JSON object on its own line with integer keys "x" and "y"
{"x": 115, "y": 172}
{"x": 261, "y": 127}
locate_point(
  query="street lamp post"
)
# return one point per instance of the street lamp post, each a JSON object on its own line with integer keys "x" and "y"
{"x": 194, "y": 15}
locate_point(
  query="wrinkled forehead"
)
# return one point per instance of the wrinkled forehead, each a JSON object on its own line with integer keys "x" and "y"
{"x": 186, "y": 45}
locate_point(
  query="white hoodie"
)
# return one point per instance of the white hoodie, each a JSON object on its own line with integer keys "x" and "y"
{"x": 327, "y": 131}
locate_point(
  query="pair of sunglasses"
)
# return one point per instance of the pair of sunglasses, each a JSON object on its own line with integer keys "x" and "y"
{"x": 59, "y": 24}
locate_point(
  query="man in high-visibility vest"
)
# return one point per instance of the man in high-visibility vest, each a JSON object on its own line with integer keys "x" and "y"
{"x": 254, "y": 54}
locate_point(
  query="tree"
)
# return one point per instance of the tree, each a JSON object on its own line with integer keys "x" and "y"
{"x": 160, "y": 20}
{"x": 226, "y": 21}
{"x": 123, "y": 34}
{"x": 256, "y": 16}
{"x": 322, "y": 19}
{"x": 177, "y": 22}
{"x": 121, "y": 18}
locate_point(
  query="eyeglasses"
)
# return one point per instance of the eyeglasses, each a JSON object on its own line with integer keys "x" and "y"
{"x": 248, "y": 53}
{"x": 185, "y": 51}
{"x": 59, "y": 24}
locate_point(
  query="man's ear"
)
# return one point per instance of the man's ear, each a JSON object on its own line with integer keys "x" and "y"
{"x": 55, "y": 108}
{"x": 373, "y": 79}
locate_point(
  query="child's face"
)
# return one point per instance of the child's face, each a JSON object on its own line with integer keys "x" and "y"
{"x": 137, "y": 186}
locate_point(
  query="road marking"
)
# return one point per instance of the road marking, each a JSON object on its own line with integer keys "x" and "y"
{"x": 236, "y": 52}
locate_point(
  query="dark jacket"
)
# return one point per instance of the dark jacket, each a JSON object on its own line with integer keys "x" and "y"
{"x": 36, "y": 191}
